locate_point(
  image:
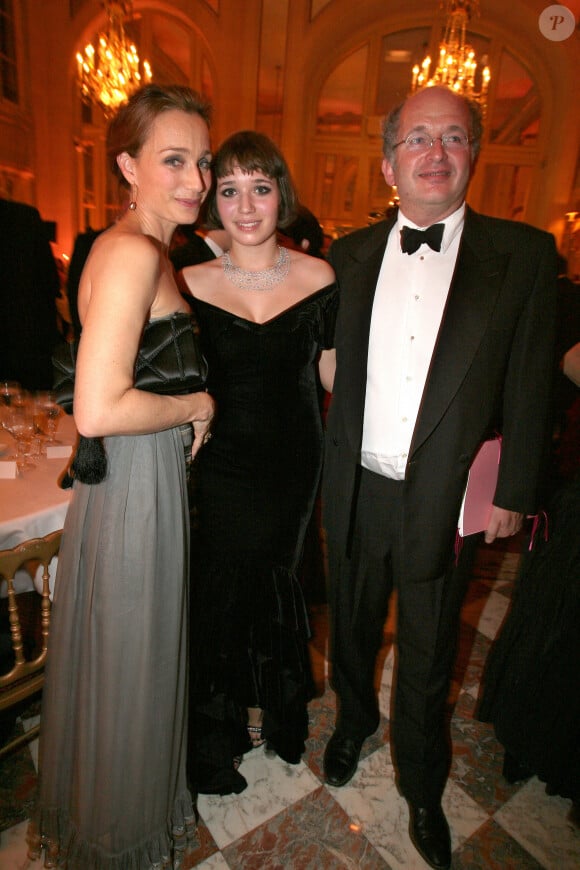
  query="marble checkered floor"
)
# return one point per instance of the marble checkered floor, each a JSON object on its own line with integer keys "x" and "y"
{"x": 288, "y": 818}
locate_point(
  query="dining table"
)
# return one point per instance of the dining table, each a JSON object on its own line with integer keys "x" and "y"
{"x": 32, "y": 503}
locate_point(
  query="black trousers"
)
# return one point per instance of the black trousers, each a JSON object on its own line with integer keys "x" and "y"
{"x": 426, "y": 636}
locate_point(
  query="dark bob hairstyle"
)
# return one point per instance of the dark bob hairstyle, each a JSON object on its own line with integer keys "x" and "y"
{"x": 130, "y": 127}
{"x": 252, "y": 152}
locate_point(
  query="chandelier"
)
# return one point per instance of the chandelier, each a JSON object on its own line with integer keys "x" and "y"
{"x": 457, "y": 67}
{"x": 109, "y": 73}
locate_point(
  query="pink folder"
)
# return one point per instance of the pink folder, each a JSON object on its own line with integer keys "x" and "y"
{"x": 480, "y": 490}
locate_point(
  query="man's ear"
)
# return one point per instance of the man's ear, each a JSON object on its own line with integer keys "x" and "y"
{"x": 127, "y": 166}
{"x": 388, "y": 172}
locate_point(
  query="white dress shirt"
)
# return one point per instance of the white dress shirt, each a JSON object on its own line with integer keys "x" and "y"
{"x": 213, "y": 246}
{"x": 408, "y": 307}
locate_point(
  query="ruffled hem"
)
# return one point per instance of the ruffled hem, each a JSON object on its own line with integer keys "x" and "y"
{"x": 250, "y": 635}
{"x": 53, "y": 834}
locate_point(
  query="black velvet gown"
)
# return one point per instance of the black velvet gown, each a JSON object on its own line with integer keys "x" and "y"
{"x": 255, "y": 483}
{"x": 532, "y": 676}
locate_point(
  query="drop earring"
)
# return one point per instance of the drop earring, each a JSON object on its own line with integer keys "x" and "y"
{"x": 133, "y": 202}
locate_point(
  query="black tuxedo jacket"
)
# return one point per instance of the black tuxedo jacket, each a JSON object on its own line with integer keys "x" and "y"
{"x": 29, "y": 285}
{"x": 490, "y": 370}
{"x": 195, "y": 250}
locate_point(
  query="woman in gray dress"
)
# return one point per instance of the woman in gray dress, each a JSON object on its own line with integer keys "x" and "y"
{"x": 112, "y": 789}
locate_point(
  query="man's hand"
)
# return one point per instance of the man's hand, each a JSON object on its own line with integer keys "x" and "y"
{"x": 502, "y": 524}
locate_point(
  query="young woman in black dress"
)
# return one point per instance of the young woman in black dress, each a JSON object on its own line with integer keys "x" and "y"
{"x": 267, "y": 317}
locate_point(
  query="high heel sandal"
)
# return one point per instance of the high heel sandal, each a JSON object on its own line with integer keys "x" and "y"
{"x": 256, "y": 737}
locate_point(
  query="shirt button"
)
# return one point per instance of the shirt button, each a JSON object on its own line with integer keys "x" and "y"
{"x": 404, "y": 419}
{"x": 403, "y": 455}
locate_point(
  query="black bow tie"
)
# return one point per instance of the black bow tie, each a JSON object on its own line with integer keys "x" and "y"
{"x": 411, "y": 239}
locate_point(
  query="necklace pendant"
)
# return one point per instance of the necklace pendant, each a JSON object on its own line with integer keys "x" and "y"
{"x": 259, "y": 279}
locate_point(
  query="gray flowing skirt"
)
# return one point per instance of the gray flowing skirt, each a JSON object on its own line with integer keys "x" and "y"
{"x": 112, "y": 786}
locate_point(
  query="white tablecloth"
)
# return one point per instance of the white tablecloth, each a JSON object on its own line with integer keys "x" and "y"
{"x": 32, "y": 504}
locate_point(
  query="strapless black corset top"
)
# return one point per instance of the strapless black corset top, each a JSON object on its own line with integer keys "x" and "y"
{"x": 170, "y": 360}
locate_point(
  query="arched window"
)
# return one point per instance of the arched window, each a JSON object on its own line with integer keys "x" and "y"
{"x": 512, "y": 156}
{"x": 516, "y": 112}
{"x": 347, "y": 187}
{"x": 340, "y": 107}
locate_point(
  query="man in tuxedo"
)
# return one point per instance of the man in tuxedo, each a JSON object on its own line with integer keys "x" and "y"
{"x": 29, "y": 286}
{"x": 441, "y": 339}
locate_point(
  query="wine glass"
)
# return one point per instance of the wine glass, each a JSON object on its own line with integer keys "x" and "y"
{"x": 46, "y": 415}
{"x": 18, "y": 419}
{"x": 10, "y": 392}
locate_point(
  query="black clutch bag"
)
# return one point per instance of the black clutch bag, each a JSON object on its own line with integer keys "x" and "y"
{"x": 170, "y": 361}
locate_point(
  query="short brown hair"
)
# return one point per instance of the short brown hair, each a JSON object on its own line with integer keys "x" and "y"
{"x": 252, "y": 152}
{"x": 130, "y": 127}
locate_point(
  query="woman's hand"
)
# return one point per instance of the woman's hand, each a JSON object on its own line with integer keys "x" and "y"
{"x": 204, "y": 409}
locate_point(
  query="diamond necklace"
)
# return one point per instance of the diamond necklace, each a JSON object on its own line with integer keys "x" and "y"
{"x": 259, "y": 279}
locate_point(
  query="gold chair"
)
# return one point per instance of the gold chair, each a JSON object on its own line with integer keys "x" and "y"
{"x": 26, "y": 675}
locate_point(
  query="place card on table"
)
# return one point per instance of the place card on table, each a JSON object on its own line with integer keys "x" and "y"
{"x": 8, "y": 469}
{"x": 58, "y": 451}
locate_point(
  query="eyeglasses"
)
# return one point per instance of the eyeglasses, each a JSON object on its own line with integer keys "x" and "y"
{"x": 422, "y": 142}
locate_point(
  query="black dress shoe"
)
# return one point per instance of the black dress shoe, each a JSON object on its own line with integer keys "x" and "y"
{"x": 341, "y": 759}
{"x": 430, "y": 836}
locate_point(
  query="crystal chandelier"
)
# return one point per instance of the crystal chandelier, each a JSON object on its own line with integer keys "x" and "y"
{"x": 457, "y": 67}
{"x": 109, "y": 73}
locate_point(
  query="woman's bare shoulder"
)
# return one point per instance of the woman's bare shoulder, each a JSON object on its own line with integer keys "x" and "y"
{"x": 313, "y": 272}
{"x": 123, "y": 250}
{"x": 121, "y": 261}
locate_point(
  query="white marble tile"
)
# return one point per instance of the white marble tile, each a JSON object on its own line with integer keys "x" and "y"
{"x": 371, "y": 799}
{"x": 486, "y": 616}
{"x": 386, "y": 684}
{"x": 501, "y": 584}
{"x": 214, "y": 862}
{"x": 13, "y": 850}
{"x": 273, "y": 786}
{"x": 464, "y": 814}
{"x": 539, "y": 823}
